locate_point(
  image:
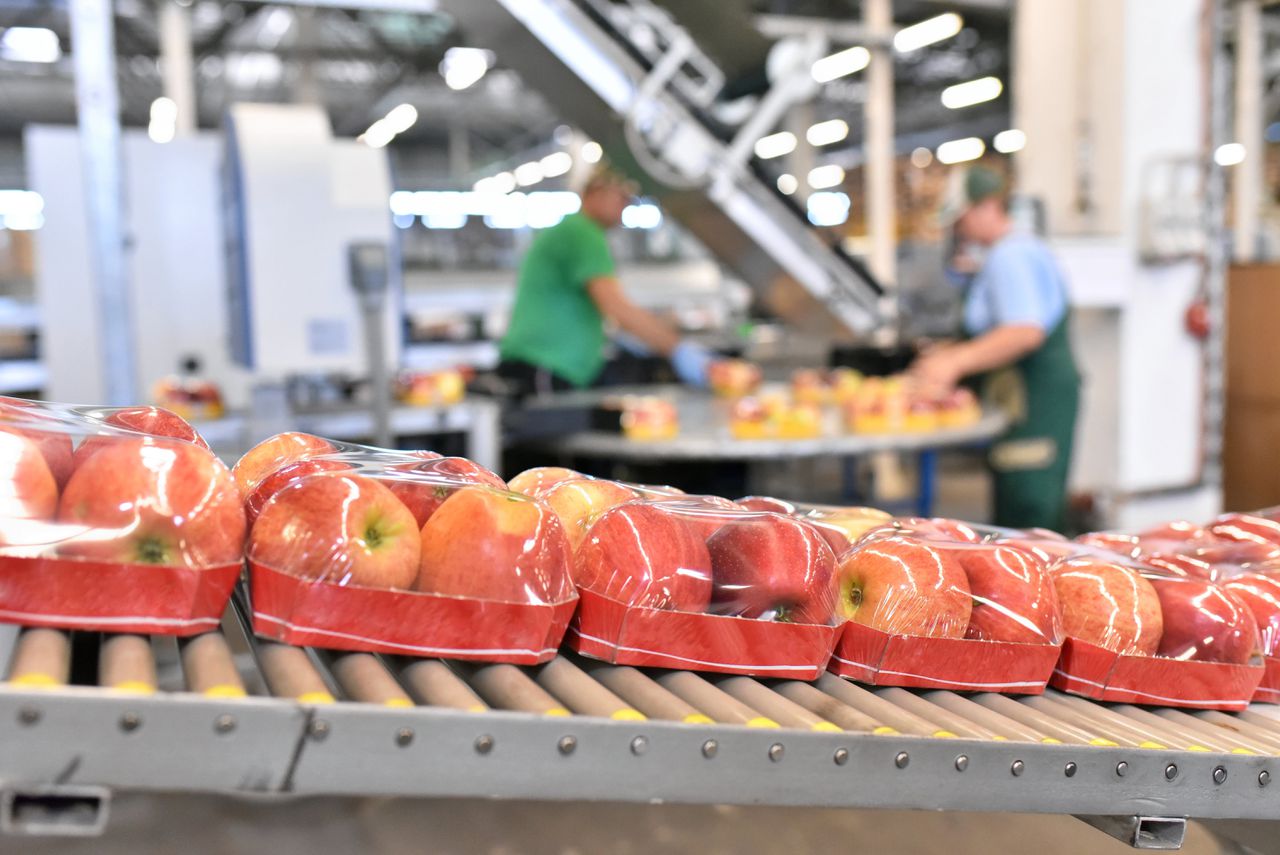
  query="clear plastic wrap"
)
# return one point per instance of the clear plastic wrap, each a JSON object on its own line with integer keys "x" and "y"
{"x": 114, "y": 519}
{"x": 841, "y": 525}
{"x": 931, "y": 611}
{"x": 402, "y": 552}
{"x": 700, "y": 582}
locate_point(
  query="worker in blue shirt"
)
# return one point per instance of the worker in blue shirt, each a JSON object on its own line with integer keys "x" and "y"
{"x": 1016, "y": 319}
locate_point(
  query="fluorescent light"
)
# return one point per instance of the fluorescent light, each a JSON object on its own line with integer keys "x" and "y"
{"x": 463, "y": 67}
{"x": 592, "y": 152}
{"x": 1007, "y": 142}
{"x": 642, "y": 216}
{"x": 29, "y": 44}
{"x": 921, "y": 157}
{"x": 557, "y": 163}
{"x": 974, "y": 92}
{"x": 822, "y": 177}
{"x": 504, "y": 182}
{"x": 927, "y": 32}
{"x": 840, "y": 64}
{"x": 826, "y": 133}
{"x": 788, "y": 184}
{"x": 775, "y": 145}
{"x": 528, "y": 173}
{"x": 164, "y": 120}
{"x": 161, "y": 133}
{"x": 961, "y": 150}
{"x": 401, "y": 118}
{"x": 828, "y": 209}
{"x": 1229, "y": 154}
{"x": 378, "y": 135}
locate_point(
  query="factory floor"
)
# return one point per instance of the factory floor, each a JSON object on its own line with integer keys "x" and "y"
{"x": 152, "y": 825}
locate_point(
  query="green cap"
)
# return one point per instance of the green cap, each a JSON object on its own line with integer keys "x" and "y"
{"x": 966, "y": 188}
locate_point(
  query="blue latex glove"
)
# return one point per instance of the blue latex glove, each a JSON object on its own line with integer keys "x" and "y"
{"x": 690, "y": 361}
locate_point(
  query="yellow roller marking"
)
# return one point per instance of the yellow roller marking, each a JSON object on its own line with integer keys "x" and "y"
{"x": 1147, "y": 743}
{"x": 1103, "y": 743}
{"x": 1049, "y": 740}
{"x": 401, "y": 703}
{"x": 628, "y": 714}
{"x": 827, "y": 727}
{"x": 224, "y": 690}
{"x": 1241, "y": 751}
{"x": 996, "y": 738}
{"x": 1198, "y": 748}
{"x": 36, "y": 680}
{"x": 945, "y": 734}
{"x": 477, "y": 708}
{"x": 698, "y": 718}
{"x": 761, "y": 721}
{"x": 885, "y": 730}
{"x": 315, "y": 698}
{"x": 558, "y": 712}
{"x": 137, "y": 687}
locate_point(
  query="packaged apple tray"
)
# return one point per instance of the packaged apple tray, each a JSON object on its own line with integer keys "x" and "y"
{"x": 117, "y": 520}
{"x": 400, "y": 552}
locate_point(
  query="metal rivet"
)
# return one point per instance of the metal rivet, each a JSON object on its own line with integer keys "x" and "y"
{"x": 28, "y": 715}
{"x": 319, "y": 730}
{"x": 902, "y": 760}
{"x": 639, "y": 745}
{"x": 962, "y": 762}
{"x": 484, "y": 744}
{"x": 1264, "y": 778}
{"x": 404, "y": 736}
{"x": 709, "y": 748}
{"x": 775, "y": 751}
{"x": 842, "y": 756}
{"x": 1219, "y": 775}
{"x": 1170, "y": 771}
{"x": 567, "y": 744}
{"x": 1122, "y": 768}
{"x": 130, "y": 722}
{"x": 1017, "y": 768}
{"x": 1070, "y": 770}
{"x": 224, "y": 723}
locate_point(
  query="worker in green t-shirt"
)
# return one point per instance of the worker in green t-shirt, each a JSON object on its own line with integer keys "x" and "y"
{"x": 568, "y": 288}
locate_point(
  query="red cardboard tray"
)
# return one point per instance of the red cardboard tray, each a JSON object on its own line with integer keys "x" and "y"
{"x": 103, "y": 596}
{"x": 1095, "y": 672}
{"x": 348, "y": 617}
{"x": 610, "y": 630}
{"x": 1268, "y": 691}
{"x": 960, "y": 664}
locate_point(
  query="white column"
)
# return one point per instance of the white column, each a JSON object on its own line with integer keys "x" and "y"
{"x": 177, "y": 68}
{"x": 1247, "y": 179}
{"x": 881, "y": 216}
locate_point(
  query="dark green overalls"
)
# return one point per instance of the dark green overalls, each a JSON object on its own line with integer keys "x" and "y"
{"x": 1041, "y": 395}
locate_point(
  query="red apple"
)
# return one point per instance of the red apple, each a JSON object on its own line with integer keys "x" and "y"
{"x": 645, "y": 556}
{"x": 1108, "y": 605}
{"x": 152, "y": 421}
{"x": 532, "y": 482}
{"x": 938, "y": 529}
{"x": 1247, "y": 528}
{"x": 1177, "y": 530}
{"x": 844, "y": 526}
{"x": 28, "y": 490}
{"x": 1236, "y": 552}
{"x": 270, "y": 454}
{"x": 767, "y": 503}
{"x": 1013, "y": 594}
{"x": 579, "y": 502}
{"x": 905, "y": 586}
{"x": 286, "y": 475}
{"x": 338, "y": 528}
{"x": 705, "y": 513}
{"x": 1049, "y": 550}
{"x": 768, "y": 565}
{"x": 45, "y": 429}
{"x": 1179, "y": 564}
{"x": 435, "y": 480}
{"x": 154, "y": 501}
{"x": 1261, "y": 596}
{"x": 1121, "y": 544}
{"x": 495, "y": 545}
{"x": 1203, "y": 622}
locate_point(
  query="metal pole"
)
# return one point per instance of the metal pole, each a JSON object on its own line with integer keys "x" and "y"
{"x": 1216, "y": 244}
{"x": 800, "y": 161}
{"x": 881, "y": 217}
{"x": 177, "y": 69}
{"x": 1247, "y": 186}
{"x": 98, "y": 107}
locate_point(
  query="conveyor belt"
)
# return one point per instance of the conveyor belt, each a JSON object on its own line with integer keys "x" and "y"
{"x": 224, "y": 712}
